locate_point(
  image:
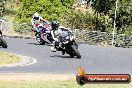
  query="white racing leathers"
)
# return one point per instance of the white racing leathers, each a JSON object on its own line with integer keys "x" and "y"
{"x": 55, "y": 35}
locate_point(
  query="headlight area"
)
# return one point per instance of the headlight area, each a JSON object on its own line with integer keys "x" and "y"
{"x": 67, "y": 37}
{"x": 72, "y": 37}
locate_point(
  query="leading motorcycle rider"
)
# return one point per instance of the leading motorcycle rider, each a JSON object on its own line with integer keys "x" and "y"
{"x": 56, "y": 32}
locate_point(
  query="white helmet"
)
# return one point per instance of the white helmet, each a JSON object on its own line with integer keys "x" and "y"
{"x": 36, "y": 16}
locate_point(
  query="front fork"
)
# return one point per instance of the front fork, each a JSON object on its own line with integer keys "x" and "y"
{"x": 74, "y": 42}
{"x": 49, "y": 37}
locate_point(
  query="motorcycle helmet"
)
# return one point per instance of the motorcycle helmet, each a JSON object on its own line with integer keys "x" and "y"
{"x": 36, "y": 16}
{"x": 55, "y": 25}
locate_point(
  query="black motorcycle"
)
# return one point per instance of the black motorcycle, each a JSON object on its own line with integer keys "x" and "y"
{"x": 67, "y": 44}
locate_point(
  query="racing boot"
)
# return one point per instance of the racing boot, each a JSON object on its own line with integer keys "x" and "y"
{"x": 53, "y": 49}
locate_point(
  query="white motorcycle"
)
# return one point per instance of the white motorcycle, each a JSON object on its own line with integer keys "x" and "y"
{"x": 45, "y": 35}
{"x": 67, "y": 44}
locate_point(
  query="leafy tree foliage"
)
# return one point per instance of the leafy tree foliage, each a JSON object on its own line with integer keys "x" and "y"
{"x": 2, "y": 8}
{"x": 124, "y": 17}
{"x": 102, "y": 6}
{"x": 104, "y": 9}
{"x": 51, "y": 9}
{"x": 62, "y": 10}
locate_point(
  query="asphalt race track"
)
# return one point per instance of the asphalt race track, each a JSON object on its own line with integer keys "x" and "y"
{"x": 95, "y": 58}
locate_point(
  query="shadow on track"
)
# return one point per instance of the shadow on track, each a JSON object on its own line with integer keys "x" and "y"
{"x": 61, "y": 56}
{"x": 40, "y": 44}
{"x": 34, "y": 43}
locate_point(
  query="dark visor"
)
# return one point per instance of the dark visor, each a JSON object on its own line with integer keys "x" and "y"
{"x": 36, "y": 18}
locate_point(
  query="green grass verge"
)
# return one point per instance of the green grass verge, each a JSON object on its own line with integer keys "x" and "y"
{"x": 7, "y": 58}
{"x": 57, "y": 84}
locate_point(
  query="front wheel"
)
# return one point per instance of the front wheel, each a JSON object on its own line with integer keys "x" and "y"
{"x": 39, "y": 39}
{"x": 75, "y": 51}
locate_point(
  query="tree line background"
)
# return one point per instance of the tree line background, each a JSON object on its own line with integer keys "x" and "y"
{"x": 101, "y": 19}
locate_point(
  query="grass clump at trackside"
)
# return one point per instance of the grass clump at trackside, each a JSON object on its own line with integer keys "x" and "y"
{"x": 56, "y": 84}
{"x": 7, "y": 58}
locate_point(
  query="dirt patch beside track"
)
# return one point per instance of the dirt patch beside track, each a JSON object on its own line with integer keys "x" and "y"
{"x": 36, "y": 76}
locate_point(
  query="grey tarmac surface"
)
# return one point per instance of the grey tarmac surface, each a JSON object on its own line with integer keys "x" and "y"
{"x": 95, "y": 58}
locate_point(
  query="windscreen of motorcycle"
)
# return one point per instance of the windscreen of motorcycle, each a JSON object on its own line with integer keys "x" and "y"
{"x": 64, "y": 34}
{"x": 47, "y": 25}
